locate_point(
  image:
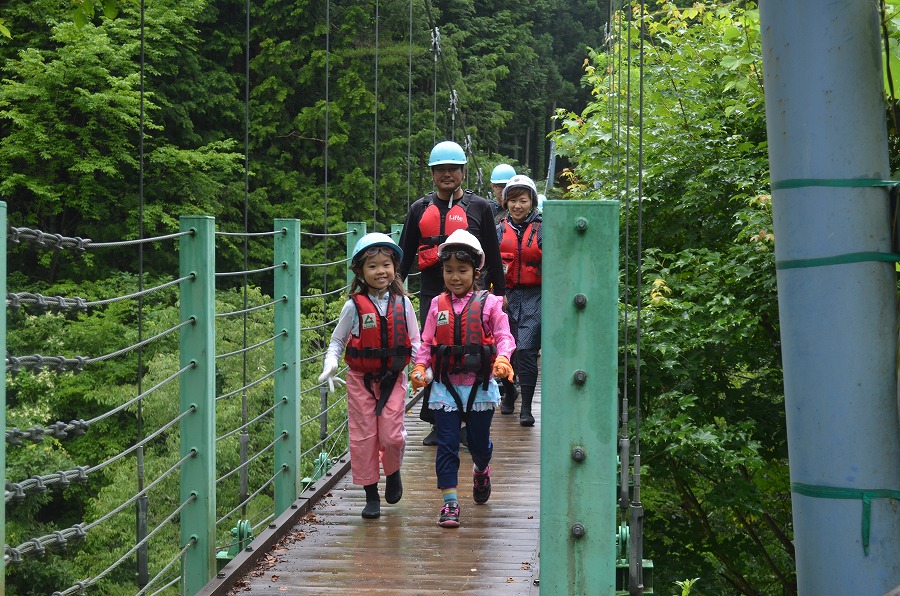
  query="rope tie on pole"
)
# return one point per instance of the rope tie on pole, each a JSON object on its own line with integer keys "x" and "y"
{"x": 833, "y": 182}
{"x": 837, "y": 492}
{"x": 842, "y": 259}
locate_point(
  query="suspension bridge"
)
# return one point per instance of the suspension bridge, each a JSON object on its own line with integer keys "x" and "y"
{"x": 262, "y": 462}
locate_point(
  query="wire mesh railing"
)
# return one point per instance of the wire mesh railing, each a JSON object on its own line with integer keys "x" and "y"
{"x": 218, "y": 467}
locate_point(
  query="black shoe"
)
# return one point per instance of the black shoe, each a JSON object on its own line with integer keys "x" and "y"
{"x": 372, "y": 510}
{"x": 510, "y": 395}
{"x": 481, "y": 491}
{"x": 431, "y": 438}
{"x": 393, "y": 488}
{"x": 525, "y": 418}
{"x": 463, "y": 436}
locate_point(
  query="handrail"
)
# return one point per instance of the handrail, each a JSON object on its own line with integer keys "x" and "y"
{"x": 277, "y": 398}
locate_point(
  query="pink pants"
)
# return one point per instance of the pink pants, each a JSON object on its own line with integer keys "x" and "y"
{"x": 372, "y": 436}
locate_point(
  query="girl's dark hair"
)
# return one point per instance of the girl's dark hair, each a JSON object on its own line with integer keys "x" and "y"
{"x": 359, "y": 285}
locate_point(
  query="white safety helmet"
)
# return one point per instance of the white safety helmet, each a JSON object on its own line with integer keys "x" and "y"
{"x": 465, "y": 240}
{"x": 521, "y": 180}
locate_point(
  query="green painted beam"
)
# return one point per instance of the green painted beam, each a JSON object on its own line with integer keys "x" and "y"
{"x": 355, "y": 231}
{"x": 198, "y": 390}
{"x": 287, "y": 356}
{"x": 396, "y": 232}
{"x": 578, "y": 387}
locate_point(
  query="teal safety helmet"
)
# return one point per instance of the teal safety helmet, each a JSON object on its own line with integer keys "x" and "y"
{"x": 375, "y": 240}
{"x": 447, "y": 152}
{"x": 502, "y": 173}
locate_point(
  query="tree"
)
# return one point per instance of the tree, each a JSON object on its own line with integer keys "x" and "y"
{"x": 713, "y": 437}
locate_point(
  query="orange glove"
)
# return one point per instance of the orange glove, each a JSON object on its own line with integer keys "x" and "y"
{"x": 502, "y": 368}
{"x": 418, "y": 378}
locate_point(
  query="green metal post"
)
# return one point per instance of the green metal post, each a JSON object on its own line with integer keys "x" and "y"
{"x": 3, "y": 385}
{"x": 396, "y": 232}
{"x": 287, "y": 356}
{"x": 578, "y": 369}
{"x": 355, "y": 231}
{"x": 198, "y": 429}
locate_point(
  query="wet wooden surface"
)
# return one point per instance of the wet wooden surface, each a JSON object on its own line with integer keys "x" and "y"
{"x": 333, "y": 550}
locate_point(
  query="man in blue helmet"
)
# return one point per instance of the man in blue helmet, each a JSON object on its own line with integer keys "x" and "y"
{"x": 500, "y": 175}
{"x": 434, "y": 217}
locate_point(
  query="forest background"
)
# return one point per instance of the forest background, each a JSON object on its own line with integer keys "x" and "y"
{"x": 715, "y": 481}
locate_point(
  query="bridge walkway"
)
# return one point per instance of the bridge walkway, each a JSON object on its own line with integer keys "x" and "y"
{"x": 332, "y": 550}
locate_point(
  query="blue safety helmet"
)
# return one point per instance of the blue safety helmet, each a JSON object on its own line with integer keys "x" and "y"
{"x": 375, "y": 240}
{"x": 502, "y": 173}
{"x": 447, "y": 152}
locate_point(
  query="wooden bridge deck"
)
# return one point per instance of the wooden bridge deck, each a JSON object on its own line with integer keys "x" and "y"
{"x": 332, "y": 550}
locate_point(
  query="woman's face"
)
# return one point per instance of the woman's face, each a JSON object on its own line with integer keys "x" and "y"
{"x": 459, "y": 276}
{"x": 519, "y": 206}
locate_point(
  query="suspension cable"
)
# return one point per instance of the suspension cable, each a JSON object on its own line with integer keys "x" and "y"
{"x": 142, "y": 574}
{"x": 375, "y": 150}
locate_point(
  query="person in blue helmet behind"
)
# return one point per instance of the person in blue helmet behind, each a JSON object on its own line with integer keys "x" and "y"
{"x": 430, "y": 220}
{"x": 500, "y": 175}
{"x": 377, "y": 333}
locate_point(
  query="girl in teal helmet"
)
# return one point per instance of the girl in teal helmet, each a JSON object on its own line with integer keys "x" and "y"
{"x": 377, "y": 332}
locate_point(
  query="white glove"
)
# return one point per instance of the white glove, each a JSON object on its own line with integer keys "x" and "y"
{"x": 429, "y": 375}
{"x": 329, "y": 374}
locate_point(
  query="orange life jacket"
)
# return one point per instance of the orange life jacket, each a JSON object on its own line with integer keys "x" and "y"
{"x": 434, "y": 229}
{"x": 521, "y": 257}
{"x": 383, "y": 344}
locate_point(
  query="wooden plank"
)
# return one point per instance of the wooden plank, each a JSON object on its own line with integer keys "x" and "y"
{"x": 333, "y": 550}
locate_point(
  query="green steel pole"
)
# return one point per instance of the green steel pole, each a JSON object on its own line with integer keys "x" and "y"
{"x": 198, "y": 429}
{"x": 579, "y": 370}
{"x": 287, "y": 356}
{"x": 3, "y": 386}
{"x": 396, "y": 232}
{"x": 355, "y": 231}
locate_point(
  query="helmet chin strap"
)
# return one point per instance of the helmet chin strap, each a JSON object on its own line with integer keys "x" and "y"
{"x": 453, "y": 194}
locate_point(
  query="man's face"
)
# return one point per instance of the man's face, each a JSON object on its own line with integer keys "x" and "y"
{"x": 447, "y": 177}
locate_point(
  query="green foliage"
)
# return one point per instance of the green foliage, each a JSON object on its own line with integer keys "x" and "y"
{"x": 44, "y": 397}
{"x": 686, "y": 585}
{"x": 713, "y": 437}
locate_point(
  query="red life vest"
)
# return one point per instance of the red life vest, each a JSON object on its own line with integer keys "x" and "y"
{"x": 383, "y": 344}
{"x": 521, "y": 256}
{"x": 460, "y": 341}
{"x": 434, "y": 229}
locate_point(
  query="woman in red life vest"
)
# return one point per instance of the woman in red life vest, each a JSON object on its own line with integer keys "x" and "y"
{"x": 521, "y": 239}
{"x": 378, "y": 329}
{"x": 465, "y": 342}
